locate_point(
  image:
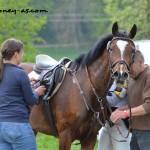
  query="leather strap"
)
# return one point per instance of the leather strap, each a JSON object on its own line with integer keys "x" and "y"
{"x": 48, "y": 115}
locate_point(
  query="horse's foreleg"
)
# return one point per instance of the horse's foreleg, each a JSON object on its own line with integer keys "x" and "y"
{"x": 88, "y": 144}
{"x": 65, "y": 140}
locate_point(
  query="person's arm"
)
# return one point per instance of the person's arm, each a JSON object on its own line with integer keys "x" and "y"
{"x": 120, "y": 114}
{"x": 31, "y": 97}
{"x": 136, "y": 111}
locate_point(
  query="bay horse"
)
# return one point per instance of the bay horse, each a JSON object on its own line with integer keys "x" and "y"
{"x": 79, "y": 106}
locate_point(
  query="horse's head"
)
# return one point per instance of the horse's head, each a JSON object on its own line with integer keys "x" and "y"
{"x": 121, "y": 52}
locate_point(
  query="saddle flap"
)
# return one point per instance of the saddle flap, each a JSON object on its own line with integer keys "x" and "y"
{"x": 51, "y": 79}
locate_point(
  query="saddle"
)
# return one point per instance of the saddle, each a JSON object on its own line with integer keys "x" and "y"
{"x": 49, "y": 73}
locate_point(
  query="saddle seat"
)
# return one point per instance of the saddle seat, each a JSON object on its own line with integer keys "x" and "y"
{"x": 45, "y": 62}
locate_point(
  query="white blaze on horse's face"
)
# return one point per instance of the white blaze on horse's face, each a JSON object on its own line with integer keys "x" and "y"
{"x": 121, "y": 45}
{"x": 120, "y": 69}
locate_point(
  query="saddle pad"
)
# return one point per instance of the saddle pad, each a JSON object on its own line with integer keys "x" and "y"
{"x": 34, "y": 75}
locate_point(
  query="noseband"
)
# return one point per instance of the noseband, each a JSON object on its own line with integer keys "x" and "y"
{"x": 120, "y": 61}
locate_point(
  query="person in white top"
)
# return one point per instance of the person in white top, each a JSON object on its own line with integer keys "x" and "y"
{"x": 114, "y": 136}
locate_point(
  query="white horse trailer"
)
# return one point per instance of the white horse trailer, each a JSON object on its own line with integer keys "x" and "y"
{"x": 144, "y": 47}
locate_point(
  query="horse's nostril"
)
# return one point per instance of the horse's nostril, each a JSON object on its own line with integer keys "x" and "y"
{"x": 125, "y": 75}
{"x": 121, "y": 76}
{"x": 116, "y": 74}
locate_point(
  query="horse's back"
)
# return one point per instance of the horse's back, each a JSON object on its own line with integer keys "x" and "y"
{"x": 28, "y": 67}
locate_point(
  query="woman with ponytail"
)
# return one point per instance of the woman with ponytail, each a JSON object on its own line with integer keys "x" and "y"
{"x": 16, "y": 95}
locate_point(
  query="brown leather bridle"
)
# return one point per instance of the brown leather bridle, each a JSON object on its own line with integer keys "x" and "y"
{"x": 109, "y": 48}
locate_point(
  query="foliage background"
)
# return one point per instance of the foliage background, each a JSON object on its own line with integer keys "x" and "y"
{"x": 70, "y": 24}
{"x": 21, "y": 25}
{"x": 69, "y": 28}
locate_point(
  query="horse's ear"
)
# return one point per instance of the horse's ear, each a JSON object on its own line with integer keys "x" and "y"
{"x": 115, "y": 29}
{"x": 133, "y": 31}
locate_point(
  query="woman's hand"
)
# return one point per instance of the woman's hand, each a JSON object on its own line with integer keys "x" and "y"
{"x": 40, "y": 90}
{"x": 32, "y": 81}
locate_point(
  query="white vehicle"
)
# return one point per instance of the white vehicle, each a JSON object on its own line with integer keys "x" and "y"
{"x": 144, "y": 47}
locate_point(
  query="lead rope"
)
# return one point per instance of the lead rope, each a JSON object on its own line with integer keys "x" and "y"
{"x": 129, "y": 124}
{"x": 117, "y": 126}
{"x": 101, "y": 104}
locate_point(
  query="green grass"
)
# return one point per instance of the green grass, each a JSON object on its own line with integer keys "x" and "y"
{"x": 46, "y": 142}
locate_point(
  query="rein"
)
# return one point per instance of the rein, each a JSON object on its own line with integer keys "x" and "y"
{"x": 99, "y": 99}
{"x": 125, "y": 137}
{"x": 87, "y": 104}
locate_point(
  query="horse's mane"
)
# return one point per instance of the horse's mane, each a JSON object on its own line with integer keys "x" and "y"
{"x": 94, "y": 53}
{"x": 91, "y": 56}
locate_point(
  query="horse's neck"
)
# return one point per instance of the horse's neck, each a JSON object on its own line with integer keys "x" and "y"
{"x": 99, "y": 72}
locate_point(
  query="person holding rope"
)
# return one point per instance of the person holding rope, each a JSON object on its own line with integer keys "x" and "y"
{"x": 115, "y": 136}
{"x": 16, "y": 95}
{"x": 139, "y": 102}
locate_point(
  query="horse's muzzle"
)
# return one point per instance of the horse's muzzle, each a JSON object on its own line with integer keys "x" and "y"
{"x": 120, "y": 75}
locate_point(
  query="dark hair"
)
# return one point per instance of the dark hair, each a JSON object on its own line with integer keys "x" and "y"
{"x": 8, "y": 49}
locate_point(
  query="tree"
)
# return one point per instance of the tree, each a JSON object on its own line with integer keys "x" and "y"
{"x": 75, "y": 22}
{"x": 21, "y": 20}
{"x": 130, "y": 12}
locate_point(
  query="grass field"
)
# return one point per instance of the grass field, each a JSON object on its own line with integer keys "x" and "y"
{"x": 46, "y": 142}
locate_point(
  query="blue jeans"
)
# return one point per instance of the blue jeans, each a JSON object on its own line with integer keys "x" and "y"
{"x": 16, "y": 136}
{"x": 140, "y": 140}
